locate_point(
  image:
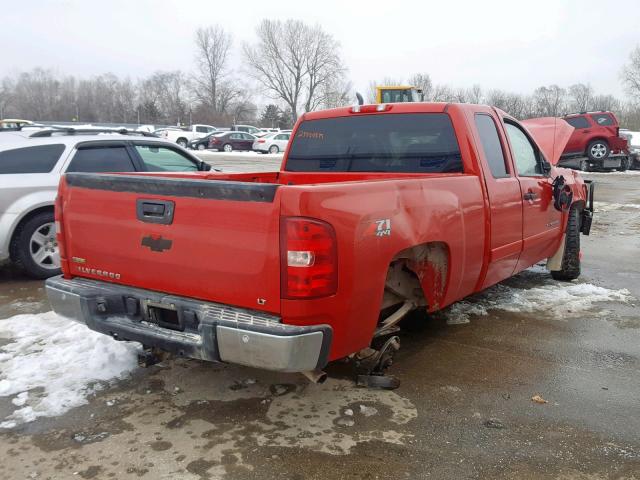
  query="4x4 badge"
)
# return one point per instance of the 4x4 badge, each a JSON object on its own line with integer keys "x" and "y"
{"x": 156, "y": 243}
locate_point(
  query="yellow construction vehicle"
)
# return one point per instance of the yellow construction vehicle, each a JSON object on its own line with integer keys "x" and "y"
{"x": 398, "y": 94}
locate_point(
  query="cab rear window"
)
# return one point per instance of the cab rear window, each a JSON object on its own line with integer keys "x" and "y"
{"x": 404, "y": 143}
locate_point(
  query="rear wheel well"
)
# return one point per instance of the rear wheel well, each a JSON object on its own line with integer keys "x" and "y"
{"x": 420, "y": 274}
{"x": 596, "y": 139}
{"x": 23, "y": 220}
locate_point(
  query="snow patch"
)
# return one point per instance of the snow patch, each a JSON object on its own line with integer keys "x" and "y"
{"x": 52, "y": 364}
{"x": 608, "y": 206}
{"x": 551, "y": 299}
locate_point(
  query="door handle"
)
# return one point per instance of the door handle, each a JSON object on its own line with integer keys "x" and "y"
{"x": 531, "y": 196}
{"x": 155, "y": 211}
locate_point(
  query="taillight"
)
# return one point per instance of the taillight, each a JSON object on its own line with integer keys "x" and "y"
{"x": 261, "y": 140}
{"x": 309, "y": 260}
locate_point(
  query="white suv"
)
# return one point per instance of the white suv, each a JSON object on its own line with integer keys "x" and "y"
{"x": 31, "y": 164}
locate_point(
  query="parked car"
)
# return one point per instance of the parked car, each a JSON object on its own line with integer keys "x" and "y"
{"x": 13, "y": 123}
{"x": 272, "y": 143}
{"x": 182, "y": 136}
{"x": 229, "y": 141}
{"x": 201, "y": 143}
{"x": 376, "y": 212}
{"x": 595, "y": 142}
{"x": 246, "y": 128}
{"x": 633, "y": 139}
{"x": 31, "y": 164}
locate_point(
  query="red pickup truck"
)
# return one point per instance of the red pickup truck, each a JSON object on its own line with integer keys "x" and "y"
{"x": 377, "y": 210}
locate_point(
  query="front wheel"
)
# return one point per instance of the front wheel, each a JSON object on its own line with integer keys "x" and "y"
{"x": 228, "y": 148}
{"x": 274, "y": 149}
{"x": 598, "y": 150}
{"x": 201, "y": 146}
{"x": 570, "y": 269}
{"x": 35, "y": 247}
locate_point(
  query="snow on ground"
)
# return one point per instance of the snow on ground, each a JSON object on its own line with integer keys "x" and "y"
{"x": 608, "y": 206}
{"x": 548, "y": 298}
{"x": 626, "y": 172}
{"x": 50, "y": 365}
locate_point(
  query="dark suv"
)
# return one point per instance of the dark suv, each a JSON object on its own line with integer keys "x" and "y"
{"x": 595, "y": 142}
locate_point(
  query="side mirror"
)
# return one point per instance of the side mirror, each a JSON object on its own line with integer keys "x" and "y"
{"x": 546, "y": 166}
{"x": 204, "y": 167}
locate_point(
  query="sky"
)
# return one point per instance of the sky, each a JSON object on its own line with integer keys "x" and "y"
{"x": 512, "y": 45}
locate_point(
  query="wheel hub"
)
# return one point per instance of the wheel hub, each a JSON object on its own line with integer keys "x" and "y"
{"x": 44, "y": 247}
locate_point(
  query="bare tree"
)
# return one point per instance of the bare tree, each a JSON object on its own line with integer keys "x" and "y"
{"x": 213, "y": 46}
{"x": 443, "y": 93}
{"x": 550, "y": 101}
{"x": 294, "y": 62}
{"x": 580, "y": 97}
{"x": 605, "y": 102}
{"x": 324, "y": 67}
{"x": 277, "y": 62}
{"x": 337, "y": 92}
{"x": 631, "y": 75}
{"x": 6, "y": 90}
{"x": 423, "y": 82}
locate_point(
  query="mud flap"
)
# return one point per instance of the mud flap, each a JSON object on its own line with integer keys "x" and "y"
{"x": 554, "y": 263}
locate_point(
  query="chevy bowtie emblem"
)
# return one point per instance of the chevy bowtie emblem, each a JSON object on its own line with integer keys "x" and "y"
{"x": 156, "y": 243}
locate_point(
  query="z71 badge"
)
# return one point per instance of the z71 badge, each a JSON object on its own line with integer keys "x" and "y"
{"x": 381, "y": 228}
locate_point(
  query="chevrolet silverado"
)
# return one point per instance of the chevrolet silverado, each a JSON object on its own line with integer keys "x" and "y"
{"x": 377, "y": 211}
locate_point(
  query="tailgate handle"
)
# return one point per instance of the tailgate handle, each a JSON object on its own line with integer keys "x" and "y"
{"x": 155, "y": 211}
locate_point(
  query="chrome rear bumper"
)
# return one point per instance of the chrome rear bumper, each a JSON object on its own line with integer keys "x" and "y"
{"x": 198, "y": 329}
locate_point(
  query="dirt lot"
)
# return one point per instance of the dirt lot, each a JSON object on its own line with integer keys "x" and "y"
{"x": 464, "y": 409}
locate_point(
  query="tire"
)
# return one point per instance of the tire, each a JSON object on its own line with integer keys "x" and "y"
{"x": 598, "y": 150}
{"x": 584, "y": 165}
{"x": 273, "y": 149}
{"x": 34, "y": 247}
{"x": 201, "y": 146}
{"x": 624, "y": 165}
{"x": 227, "y": 147}
{"x": 182, "y": 142}
{"x": 571, "y": 259}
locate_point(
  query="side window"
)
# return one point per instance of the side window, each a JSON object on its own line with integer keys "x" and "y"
{"x": 236, "y": 136}
{"x": 210, "y": 129}
{"x": 248, "y": 136}
{"x": 578, "y": 122}
{"x": 202, "y": 129}
{"x": 524, "y": 153}
{"x": 37, "y": 159}
{"x": 101, "y": 159}
{"x": 603, "y": 119}
{"x": 491, "y": 145}
{"x": 162, "y": 159}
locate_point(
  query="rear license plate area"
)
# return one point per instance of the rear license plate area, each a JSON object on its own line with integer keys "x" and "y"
{"x": 164, "y": 316}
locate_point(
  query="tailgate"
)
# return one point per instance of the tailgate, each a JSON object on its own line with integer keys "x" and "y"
{"x": 207, "y": 239}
